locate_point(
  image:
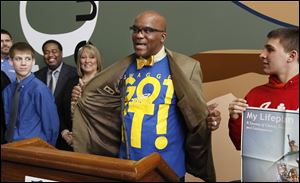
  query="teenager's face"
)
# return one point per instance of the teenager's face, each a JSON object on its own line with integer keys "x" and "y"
{"x": 274, "y": 58}
{"x": 22, "y": 63}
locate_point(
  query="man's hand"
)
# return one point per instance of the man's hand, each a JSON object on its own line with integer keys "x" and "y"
{"x": 237, "y": 107}
{"x": 214, "y": 117}
{"x": 68, "y": 136}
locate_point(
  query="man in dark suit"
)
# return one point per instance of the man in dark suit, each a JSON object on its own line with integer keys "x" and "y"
{"x": 155, "y": 95}
{"x": 60, "y": 78}
{"x": 4, "y": 82}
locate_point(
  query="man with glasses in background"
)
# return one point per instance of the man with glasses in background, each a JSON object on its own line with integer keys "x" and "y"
{"x": 161, "y": 105}
{"x": 29, "y": 106}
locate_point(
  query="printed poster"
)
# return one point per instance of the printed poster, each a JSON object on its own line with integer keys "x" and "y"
{"x": 270, "y": 145}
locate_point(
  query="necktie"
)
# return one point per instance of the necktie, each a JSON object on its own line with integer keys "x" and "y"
{"x": 141, "y": 62}
{"x": 51, "y": 83}
{"x": 13, "y": 115}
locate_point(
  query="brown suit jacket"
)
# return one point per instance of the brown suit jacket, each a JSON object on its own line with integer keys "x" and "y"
{"x": 97, "y": 116}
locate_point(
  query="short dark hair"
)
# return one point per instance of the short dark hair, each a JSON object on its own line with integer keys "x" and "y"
{"x": 289, "y": 38}
{"x": 21, "y": 46}
{"x": 3, "y": 31}
{"x": 52, "y": 41}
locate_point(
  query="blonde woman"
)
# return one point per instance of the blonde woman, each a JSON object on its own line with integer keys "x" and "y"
{"x": 89, "y": 63}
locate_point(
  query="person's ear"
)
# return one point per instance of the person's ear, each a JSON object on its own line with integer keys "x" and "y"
{"x": 163, "y": 37}
{"x": 293, "y": 56}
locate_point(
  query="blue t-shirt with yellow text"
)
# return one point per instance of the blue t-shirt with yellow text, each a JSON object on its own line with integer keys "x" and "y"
{"x": 153, "y": 122}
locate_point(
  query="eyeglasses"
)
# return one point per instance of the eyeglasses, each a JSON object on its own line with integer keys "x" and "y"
{"x": 20, "y": 59}
{"x": 144, "y": 30}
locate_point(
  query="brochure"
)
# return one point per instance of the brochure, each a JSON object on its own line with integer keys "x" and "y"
{"x": 270, "y": 145}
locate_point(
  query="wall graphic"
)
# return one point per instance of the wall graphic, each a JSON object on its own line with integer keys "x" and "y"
{"x": 68, "y": 40}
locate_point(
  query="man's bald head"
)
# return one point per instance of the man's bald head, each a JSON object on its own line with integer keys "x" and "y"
{"x": 149, "y": 33}
{"x": 154, "y": 18}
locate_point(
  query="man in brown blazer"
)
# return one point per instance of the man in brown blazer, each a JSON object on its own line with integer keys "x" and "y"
{"x": 118, "y": 97}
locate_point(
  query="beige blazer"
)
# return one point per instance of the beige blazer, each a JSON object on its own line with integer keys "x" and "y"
{"x": 97, "y": 115}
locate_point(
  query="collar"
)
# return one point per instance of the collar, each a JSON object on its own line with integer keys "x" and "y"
{"x": 5, "y": 59}
{"x": 160, "y": 55}
{"x": 57, "y": 69}
{"x": 24, "y": 81}
{"x": 274, "y": 82}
